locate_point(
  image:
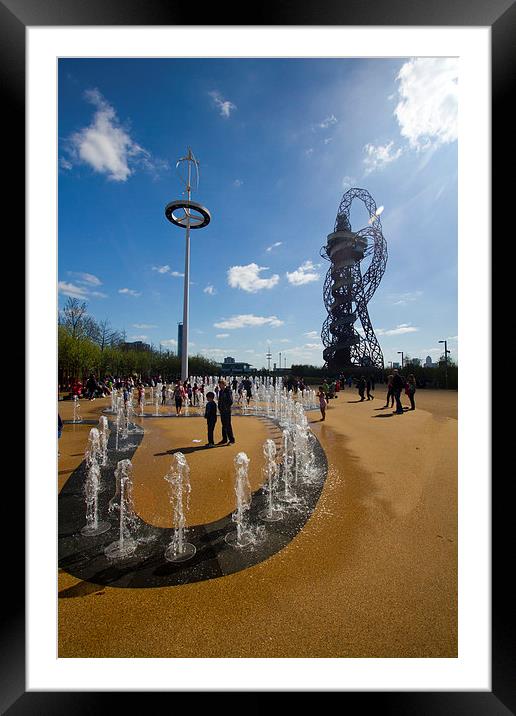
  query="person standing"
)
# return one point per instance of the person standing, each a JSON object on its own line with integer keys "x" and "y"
{"x": 322, "y": 402}
{"x": 390, "y": 393}
{"x": 210, "y": 413}
{"x": 410, "y": 390}
{"x": 225, "y": 402}
{"x": 179, "y": 395}
{"x": 397, "y": 386}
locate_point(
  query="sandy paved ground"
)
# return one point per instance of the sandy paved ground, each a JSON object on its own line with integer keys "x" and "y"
{"x": 372, "y": 574}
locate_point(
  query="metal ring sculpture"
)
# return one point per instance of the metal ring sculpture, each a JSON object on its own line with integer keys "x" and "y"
{"x": 347, "y": 292}
{"x": 195, "y": 213}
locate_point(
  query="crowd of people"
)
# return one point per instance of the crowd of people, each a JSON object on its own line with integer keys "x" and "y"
{"x": 221, "y": 399}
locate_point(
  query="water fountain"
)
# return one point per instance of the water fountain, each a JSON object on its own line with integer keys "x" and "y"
{"x": 76, "y": 410}
{"x": 104, "y": 436}
{"x": 126, "y": 544}
{"x": 272, "y": 513}
{"x": 178, "y": 478}
{"x": 91, "y": 491}
{"x": 245, "y": 535}
{"x": 156, "y": 402}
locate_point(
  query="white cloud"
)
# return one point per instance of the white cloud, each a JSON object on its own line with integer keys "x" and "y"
{"x": 106, "y": 146}
{"x": 225, "y": 106}
{"x": 139, "y": 338}
{"x": 284, "y": 340}
{"x": 247, "y": 278}
{"x": 129, "y": 292}
{"x": 238, "y": 183}
{"x": 169, "y": 343}
{"x": 70, "y": 289}
{"x": 210, "y": 290}
{"x": 83, "y": 292}
{"x": 309, "y": 152}
{"x": 311, "y": 334}
{"x": 248, "y": 320}
{"x": 161, "y": 269}
{"x": 273, "y": 246}
{"x": 427, "y": 109}
{"x": 313, "y": 346}
{"x": 178, "y": 274}
{"x": 399, "y": 330}
{"x": 401, "y": 299}
{"x": 377, "y": 157}
{"x": 306, "y": 273}
{"x": 328, "y": 140}
{"x": 222, "y": 335}
{"x": 328, "y": 122}
{"x": 87, "y": 279}
{"x": 144, "y": 326}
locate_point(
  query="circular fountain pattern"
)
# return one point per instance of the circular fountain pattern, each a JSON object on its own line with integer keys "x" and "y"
{"x": 84, "y": 557}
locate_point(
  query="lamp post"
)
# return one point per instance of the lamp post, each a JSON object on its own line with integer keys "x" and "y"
{"x": 446, "y": 351}
{"x": 280, "y": 360}
{"x": 187, "y": 215}
{"x": 401, "y": 357}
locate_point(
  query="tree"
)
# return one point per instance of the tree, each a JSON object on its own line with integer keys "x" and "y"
{"x": 74, "y": 317}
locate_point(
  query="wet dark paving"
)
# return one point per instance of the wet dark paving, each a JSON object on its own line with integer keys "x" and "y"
{"x": 83, "y": 557}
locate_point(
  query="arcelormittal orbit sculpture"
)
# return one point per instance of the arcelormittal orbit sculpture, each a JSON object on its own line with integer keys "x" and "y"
{"x": 347, "y": 291}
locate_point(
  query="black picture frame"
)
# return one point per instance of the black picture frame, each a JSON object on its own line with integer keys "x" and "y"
{"x": 500, "y": 16}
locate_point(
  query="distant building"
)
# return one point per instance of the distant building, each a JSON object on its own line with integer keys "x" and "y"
{"x": 231, "y": 367}
{"x": 429, "y": 363}
{"x": 180, "y": 339}
{"x": 135, "y": 346}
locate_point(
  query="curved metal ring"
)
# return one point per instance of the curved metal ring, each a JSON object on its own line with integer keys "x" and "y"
{"x": 185, "y": 204}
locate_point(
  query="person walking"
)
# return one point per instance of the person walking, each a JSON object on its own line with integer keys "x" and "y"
{"x": 369, "y": 387}
{"x": 362, "y": 387}
{"x": 410, "y": 390}
{"x": 225, "y": 402}
{"x": 179, "y": 396}
{"x": 390, "y": 393}
{"x": 210, "y": 413}
{"x": 397, "y": 386}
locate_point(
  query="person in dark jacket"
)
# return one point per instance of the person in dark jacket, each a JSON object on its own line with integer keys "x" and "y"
{"x": 362, "y": 387}
{"x": 210, "y": 413}
{"x": 225, "y": 403}
{"x": 369, "y": 388}
{"x": 398, "y": 383}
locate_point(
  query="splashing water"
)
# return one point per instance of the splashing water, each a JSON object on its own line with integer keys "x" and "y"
{"x": 122, "y": 501}
{"x": 91, "y": 491}
{"x": 76, "y": 409}
{"x": 104, "y": 436}
{"x": 178, "y": 478}
{"x": 245, "y": 535}
{"x": 272, "y": 513}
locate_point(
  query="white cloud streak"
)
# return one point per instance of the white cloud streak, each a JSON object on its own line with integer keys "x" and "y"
{"x": 427, "y": 109}
{"x": 399, "y": 330}
{"x": 248, "y": 278}
{"x": 248, "y": 320}
{"x": 306, "y": 273}
{"x": 106, "y": 146}
{"x": 129, "y": 292}
{"x": 224, "y": 106}
{"x": 378, "y": 157}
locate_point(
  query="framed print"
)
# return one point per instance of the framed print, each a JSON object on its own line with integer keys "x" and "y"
{"x": 353, "y": 586}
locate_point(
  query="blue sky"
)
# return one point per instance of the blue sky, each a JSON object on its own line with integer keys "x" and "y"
{"x": 279, "y": 142}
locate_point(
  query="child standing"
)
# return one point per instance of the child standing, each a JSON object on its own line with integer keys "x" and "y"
{"x": 210, "y": 413}
{"x": 322, "y": 402}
